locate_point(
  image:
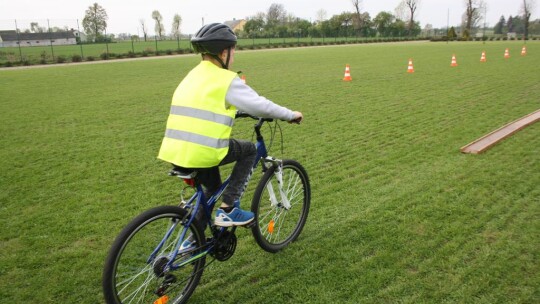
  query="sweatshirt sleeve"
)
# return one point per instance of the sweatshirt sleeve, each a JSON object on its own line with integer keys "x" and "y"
{"x": 247, "y": 100}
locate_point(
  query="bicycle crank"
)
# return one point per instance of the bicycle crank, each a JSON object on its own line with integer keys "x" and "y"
{"x": 225, "y": 246}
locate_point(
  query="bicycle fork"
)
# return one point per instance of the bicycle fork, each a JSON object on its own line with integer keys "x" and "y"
{"x": 278, "y": 172}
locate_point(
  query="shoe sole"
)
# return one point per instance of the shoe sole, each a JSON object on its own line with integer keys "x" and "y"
{"x": 231, "y": 224}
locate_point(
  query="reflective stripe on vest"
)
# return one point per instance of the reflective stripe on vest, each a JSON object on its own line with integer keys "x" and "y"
{"x": 197, "y": 139}
{"x": 202, "y": 114}
{"x": 200, "y": 121}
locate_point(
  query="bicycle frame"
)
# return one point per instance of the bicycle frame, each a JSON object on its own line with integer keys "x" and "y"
{"x": 198, "y": 201}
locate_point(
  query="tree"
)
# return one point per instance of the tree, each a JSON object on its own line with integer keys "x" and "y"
{"x": 428, "y": 30}
{"x": 321, "y": 16}
{"x": 35, "y": 28}
{"x": 518, "y": 25}
{"x": 526, "y": 9}
{"x": 95, "y": 21}
{"x": 276, "y": 14}
{"x": 177, "y": 21}
{"x": 255, "y": 25}
{"x": 472, "y": 15}
{"x": 357, "y": 16}
{"x": 412, "y": 5}
{"x": 144, "y": 29}
{"x": 383, "y": 22}
{"x": 498, "y": 29}
{"x": 160, "y": 30}
{"x": 510, "y": 24}
{"x": 452, "y": 33}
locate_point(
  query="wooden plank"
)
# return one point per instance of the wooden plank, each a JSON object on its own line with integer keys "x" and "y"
{"x": 485, "y": 142}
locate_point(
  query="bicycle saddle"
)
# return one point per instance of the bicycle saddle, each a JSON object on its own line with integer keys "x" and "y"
{"x": 182, "y": 172}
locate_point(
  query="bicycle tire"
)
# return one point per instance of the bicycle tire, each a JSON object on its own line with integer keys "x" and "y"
{"x": 275, "y": 227}
{"x": 130, "y": 276}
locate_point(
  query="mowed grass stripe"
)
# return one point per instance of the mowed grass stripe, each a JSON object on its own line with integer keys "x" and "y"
{"x": 398, "y": 213}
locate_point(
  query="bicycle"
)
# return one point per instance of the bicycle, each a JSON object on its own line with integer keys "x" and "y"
{"x": 159, "y": 257}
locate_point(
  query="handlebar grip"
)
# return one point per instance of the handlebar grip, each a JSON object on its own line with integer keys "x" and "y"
{"x": 240, "y": 114}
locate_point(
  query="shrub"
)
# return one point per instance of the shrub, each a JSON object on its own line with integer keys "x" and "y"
{"x": 61, "y": 59}
{"x": 104, "y": 56}
{"x": 130, "y": 54}
{"x": 76, "y": 58}
{"x": 90, "y": 58}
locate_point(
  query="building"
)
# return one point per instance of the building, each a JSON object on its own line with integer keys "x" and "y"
{"x": 14, "y": 39}
{"x": 236, "y": 25}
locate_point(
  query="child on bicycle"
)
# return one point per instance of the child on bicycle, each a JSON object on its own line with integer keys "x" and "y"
{"x": 202, "y": 114}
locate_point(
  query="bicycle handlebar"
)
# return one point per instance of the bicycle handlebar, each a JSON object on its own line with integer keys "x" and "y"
{"x": 240, "y": 114}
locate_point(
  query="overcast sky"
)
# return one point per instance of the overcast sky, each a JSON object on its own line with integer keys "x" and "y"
{"x": 124, "y": 15}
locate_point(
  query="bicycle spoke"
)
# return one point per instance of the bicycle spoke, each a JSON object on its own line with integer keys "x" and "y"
{"x": 139, "y": 269}
{"x": 280, "y": 223}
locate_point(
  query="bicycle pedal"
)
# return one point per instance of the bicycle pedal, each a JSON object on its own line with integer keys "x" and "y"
{"x": 250, "y": 224}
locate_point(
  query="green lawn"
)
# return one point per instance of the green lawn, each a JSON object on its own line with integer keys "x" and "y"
{"x": 398, "y": 214}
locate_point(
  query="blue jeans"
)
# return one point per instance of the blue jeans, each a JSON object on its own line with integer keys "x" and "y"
{"x": 244, "y": 154}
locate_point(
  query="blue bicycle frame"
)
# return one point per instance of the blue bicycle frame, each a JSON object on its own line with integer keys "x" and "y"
{"x": 208, "y": 205}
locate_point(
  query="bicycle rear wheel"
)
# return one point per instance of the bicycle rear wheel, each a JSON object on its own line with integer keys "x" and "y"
{"x": 135, "y": 269}
{"x": 275, "y": 225}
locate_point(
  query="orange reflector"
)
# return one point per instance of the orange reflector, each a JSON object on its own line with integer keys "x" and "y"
{"x": 162, "y": 300}
{"x": 271, "y": 226}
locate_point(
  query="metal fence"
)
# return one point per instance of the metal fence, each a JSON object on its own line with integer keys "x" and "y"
{"x": 27, "y": 42}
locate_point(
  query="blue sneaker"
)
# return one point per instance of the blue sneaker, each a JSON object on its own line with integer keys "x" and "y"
{"x": 187, "y": 244}
{"x": 237, "y": 217}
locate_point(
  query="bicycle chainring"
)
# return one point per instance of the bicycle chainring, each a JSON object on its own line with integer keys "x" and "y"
{"x": 225, "y": 246}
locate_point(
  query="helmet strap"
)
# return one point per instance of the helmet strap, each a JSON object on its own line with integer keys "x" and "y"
{"x": 225, "y": 64}
{"x": 228, "y": 58}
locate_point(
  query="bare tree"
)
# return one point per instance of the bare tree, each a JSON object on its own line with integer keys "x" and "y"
{"x": 412, "y": 5}
{"x": 177, "y": 21}
{"x": 160, "y": 30}
{"x": 144, "y": 29}
{"x": 401, "y": 11}
{"x": 321, "y": 15}
{"x": 472, "y": 15}
{"x": 357, "y": 16}
{"x": 526, "y": 9}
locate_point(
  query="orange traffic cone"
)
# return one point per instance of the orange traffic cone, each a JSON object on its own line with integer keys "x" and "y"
{"x": 524, "y": 51}
{"x": 483, "y": 58}
{"x": 243, "y": 79}
{"x": 347, "y": 76}
{"x": 410, "y": 69}
{"x": 454, "y": 62}
{"x": 506, "y": 54}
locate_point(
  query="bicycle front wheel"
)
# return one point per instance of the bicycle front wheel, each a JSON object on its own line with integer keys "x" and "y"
{"x": 277, "y": 223}
{"x": 136, "y": 269}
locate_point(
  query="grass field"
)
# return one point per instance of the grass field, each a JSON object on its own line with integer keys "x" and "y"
{"x": 398, "y": 214}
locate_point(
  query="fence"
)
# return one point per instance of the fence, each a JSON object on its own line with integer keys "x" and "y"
{"x": 39, "y": 42}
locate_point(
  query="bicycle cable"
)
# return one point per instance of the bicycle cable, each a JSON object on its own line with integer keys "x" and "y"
{"x": 273, "y": 132}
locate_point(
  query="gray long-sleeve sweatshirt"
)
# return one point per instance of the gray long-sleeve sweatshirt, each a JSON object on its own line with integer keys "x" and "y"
{"x": 247, "y": 100}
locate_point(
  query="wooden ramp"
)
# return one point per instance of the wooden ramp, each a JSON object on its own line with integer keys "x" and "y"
{"x": 485, "y": 142}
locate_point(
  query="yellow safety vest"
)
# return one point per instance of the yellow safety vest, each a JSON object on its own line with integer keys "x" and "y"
{"x": 200, "y": 122}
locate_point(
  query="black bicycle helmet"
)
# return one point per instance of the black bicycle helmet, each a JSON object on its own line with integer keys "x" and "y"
{"x": 212, "y": 39}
